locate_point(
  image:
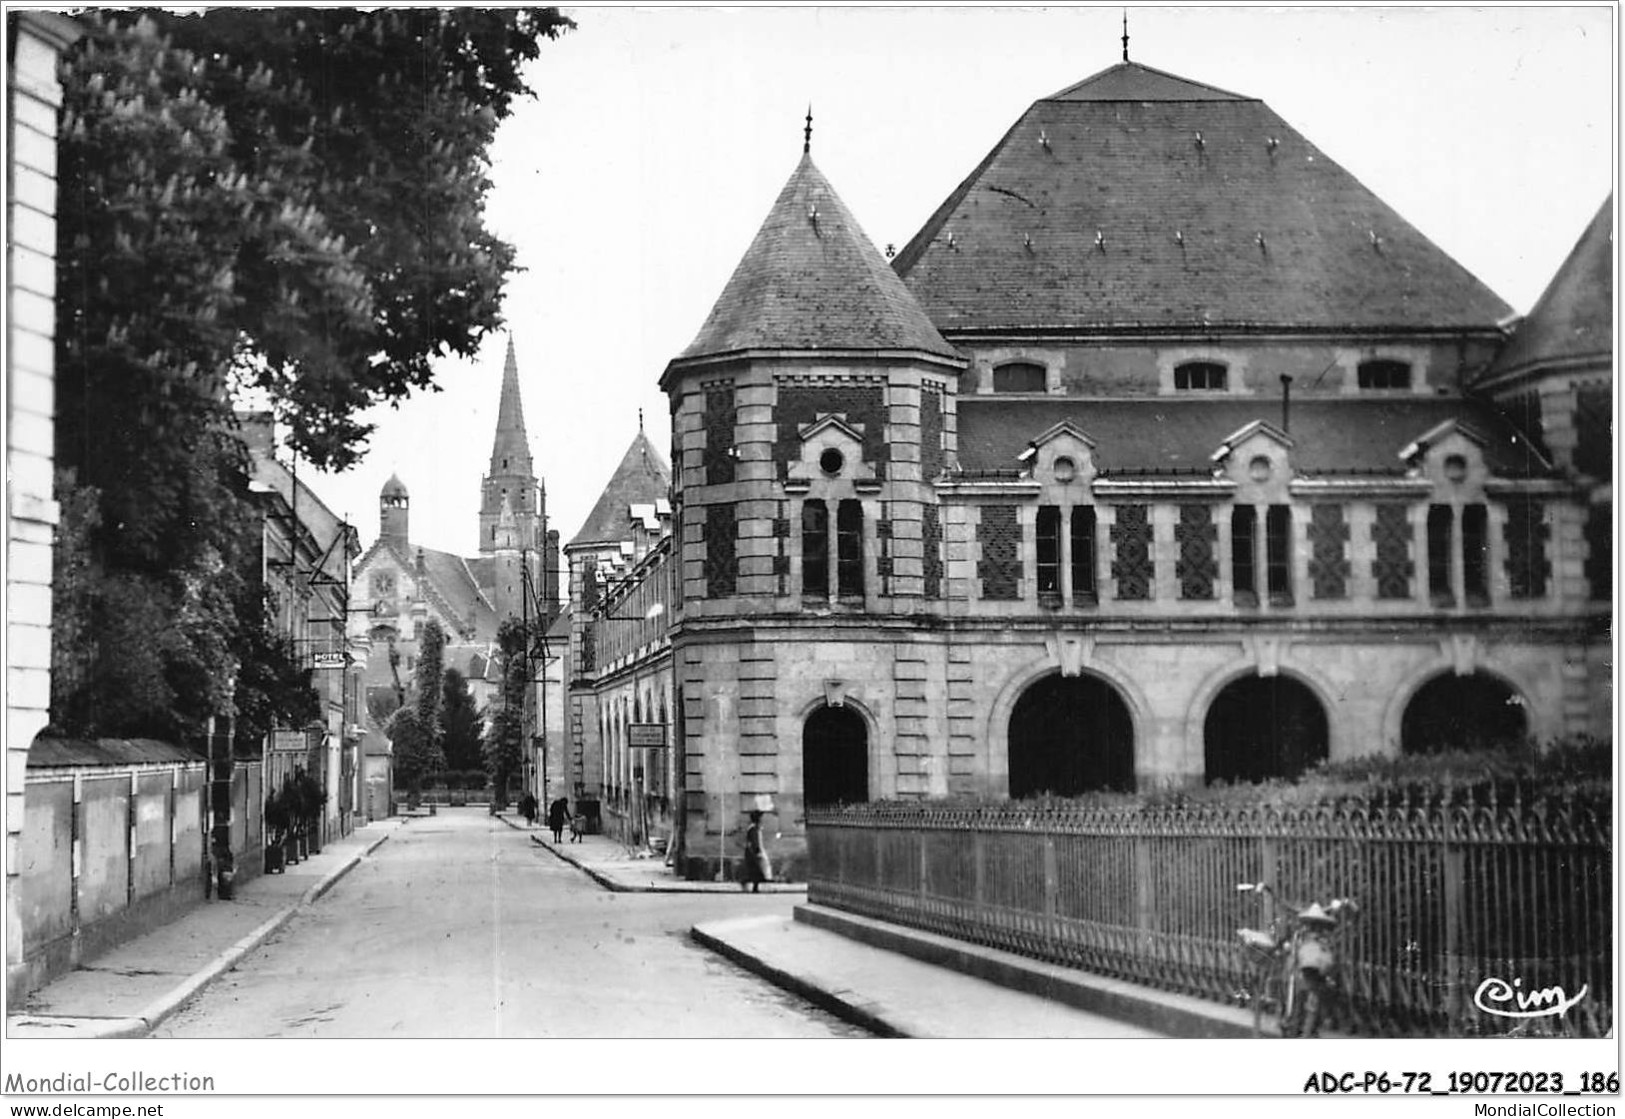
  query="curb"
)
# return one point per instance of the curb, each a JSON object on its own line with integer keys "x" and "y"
{"x": 843, "y": 1005}
{"x": 619, "y": 887}
{"x": 155, "y": 1012}
{"x": 1171, "y": 1014}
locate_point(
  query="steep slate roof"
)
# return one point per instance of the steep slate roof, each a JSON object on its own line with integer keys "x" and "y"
{"x": 451, "y": 579}
{"x": 806, "y": 285}
{"x": 1574, "y": 318}
{"x": 640, "y": 479}
{"x": 1179, "y": 222}
{"x": 1179, "y": 433}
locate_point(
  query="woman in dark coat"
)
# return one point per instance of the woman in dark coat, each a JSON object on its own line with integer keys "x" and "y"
{"x": 757, "y": 868}
{"x": 558, "y": 814}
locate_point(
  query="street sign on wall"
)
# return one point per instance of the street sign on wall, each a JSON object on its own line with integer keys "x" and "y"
{"x": 647, "y": 736}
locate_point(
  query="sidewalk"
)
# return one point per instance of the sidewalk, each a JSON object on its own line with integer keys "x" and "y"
{"x": 126, "y": 992}
{"x": 613, "y": 866}
{"x": 900, "y": 982}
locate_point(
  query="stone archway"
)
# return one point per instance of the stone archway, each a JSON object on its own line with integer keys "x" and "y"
{"x": 1263, "y": 727}
{"x": 1070, "y": 735}
{"x": 1472, "y": 712}
{"x": 834, "y": 757}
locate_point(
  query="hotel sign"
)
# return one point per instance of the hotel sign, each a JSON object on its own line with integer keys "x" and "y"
{"x": 327, "y": 660}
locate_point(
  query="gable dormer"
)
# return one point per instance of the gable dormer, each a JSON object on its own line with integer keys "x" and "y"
{"x": 1258, "y": 459}
{"x": 1450, "y": 456}
{"x": 1061, "y": 460}
{"x": 830, "y": 457}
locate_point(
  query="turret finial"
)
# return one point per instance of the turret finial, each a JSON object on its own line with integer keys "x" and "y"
{"x": 1125, "y": 34}
{"x": 806, "y": 142}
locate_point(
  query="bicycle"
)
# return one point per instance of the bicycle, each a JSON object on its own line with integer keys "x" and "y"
{"x": 1296, "y": 962}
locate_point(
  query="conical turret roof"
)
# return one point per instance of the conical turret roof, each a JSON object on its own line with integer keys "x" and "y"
{"x": 394, "y": 487}
{"x": 1139, "y": 200}
{"x": 641, "y": 479}
{"x": 510, "y": 447}
{"x": 1573, "y": 321}
{"x": 811, "y": 280}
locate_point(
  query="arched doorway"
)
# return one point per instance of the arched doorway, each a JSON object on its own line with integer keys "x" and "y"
{"x": 1473, "y": 712}
{"x": 834, "y": 757}
{"x": 1263, "y": 727}
{"x": 1070, "y": 735}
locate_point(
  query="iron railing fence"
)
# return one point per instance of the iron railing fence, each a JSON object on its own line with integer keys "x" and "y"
{"x": 1463, "y": 905}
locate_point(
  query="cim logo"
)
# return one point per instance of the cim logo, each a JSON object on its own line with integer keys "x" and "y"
{"x": 1510, "y": 1000}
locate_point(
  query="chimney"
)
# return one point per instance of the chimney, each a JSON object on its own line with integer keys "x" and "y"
{"x": 1286, "y": 404}
{"x": 257, "y": 430}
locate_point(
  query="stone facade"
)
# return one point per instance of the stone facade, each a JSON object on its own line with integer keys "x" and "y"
{"x": 1003, "y": 559}
{"x": 33, "y": 97}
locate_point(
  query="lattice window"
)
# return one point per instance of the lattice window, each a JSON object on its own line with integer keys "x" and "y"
{"x": 720, "y": 417}
{"x": 781, "y": 548}
{"x": 1328, "y": 551}
{"x": 589, "y": 603}
{"x": 1201, "y": 376}
{"x": 1384, "y": 373}
{"x": 1594, "y": 431}
{"x": 1524, "y": 410}
{"x": 721, "y": 562}
{"x": 1391, "y": 564}
{"x": 1441, "y": 542}
{"x": 931, "y": 534}
{"x": 849, "y": 548}
{"x": 1131, "y": 544}
{"x": 1599, "y": 565}
{"x": 1278, "y": 553}
{"x": 1083, "y": 554}
{"x": 1000, "y": 565}
{"x": 814, "y": 549}
{"x": 1526, "y": 533}
{"x": 1244, "y": 555}
{"x": 931, "y": 454}
{"x": 1475, "y": 554}
{"x": 863, "y": 405}
{"x": 1049, "y": 553}
{"x": 1019, "y": 376}
{"x": 1197, "y": 567}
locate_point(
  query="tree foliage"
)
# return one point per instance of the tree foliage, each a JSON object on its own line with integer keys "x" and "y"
{"x": 275, "y": 199}
{"x": 505, "y": 737}
{"x": 460, "y": 717}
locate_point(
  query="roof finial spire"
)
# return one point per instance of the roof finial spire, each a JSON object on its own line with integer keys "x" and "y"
{"x": 1125, "y": 34}
{"x": 806, "y": 143}
{"x": 640, "y": 421}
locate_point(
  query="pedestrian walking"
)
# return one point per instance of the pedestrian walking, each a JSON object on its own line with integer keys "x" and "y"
{"x": 558, "y": 814}
{"x": 527, "y": 809}
{"x": 757, "y": 868}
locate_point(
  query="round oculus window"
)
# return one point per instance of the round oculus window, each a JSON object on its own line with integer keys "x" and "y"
{"x": 1455, "y": 468}
{"x": 1065, "y": 469}
{"x": 831, "y": 461}
{"x": 1260, "y": 468}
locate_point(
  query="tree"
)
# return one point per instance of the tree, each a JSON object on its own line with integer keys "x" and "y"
{"x": 428, "y": 683}
{"x": 275, "y": 199}
{"x": 505, "y": 738}
{"x": 461, "y": 718}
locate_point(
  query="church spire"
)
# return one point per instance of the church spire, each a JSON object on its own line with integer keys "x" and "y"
{"x": 510, "y": 449}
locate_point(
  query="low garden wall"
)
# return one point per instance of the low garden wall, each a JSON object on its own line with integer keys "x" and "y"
{"x": 114, "y": 844}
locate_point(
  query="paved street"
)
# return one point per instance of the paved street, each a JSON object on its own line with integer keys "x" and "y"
{"x": 460, "y": 926}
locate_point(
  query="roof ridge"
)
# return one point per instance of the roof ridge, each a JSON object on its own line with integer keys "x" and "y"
{"x": 1121, "y": 67}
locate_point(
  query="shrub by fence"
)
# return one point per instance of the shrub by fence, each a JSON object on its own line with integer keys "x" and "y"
{"x": 1457, "y": 893}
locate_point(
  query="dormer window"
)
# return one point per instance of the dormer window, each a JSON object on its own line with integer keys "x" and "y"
{"x": 1201, "y": 376}
{"x": 1020, "y": 376}
{"x": 1382, "y": 373}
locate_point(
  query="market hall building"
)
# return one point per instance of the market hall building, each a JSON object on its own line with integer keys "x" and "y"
{"x": 1165, "y": 453}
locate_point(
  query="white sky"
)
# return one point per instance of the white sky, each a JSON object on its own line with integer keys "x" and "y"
{"x": 660, "y": 138}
